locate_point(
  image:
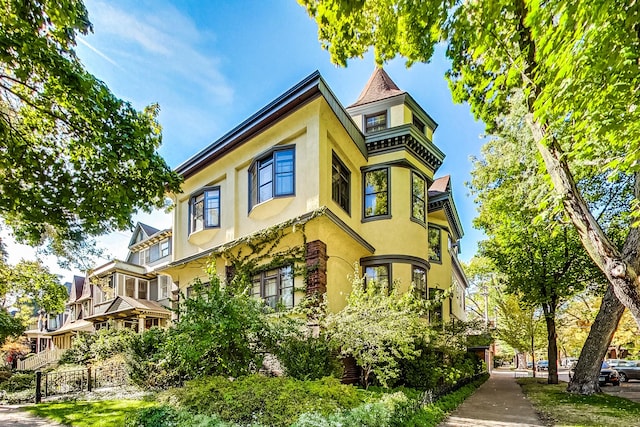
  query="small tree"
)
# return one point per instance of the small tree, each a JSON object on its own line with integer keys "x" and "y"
{"x": 219, "y": 332}
{"x": 378, "y": 329}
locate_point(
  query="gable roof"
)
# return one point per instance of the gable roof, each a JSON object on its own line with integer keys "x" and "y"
{"x": 310, "y": 88}
{"x": 76, "y": 288}
{"x": 146, "y": 230}
{"x": 380, "y": 86}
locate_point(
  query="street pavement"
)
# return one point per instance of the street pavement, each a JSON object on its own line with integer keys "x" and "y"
{"x": 499, "y": 402}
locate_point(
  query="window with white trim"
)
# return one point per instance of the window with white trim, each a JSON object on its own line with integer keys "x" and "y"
{"x": 164, "y": 284}
{"x": 204, "y": 209}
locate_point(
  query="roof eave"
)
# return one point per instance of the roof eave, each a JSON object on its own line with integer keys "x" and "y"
{"x": 306, "y": 90}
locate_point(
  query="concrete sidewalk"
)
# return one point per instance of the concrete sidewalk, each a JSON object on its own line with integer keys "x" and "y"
{"x": 15, "y": 416}
{"x": 499, "y": 402}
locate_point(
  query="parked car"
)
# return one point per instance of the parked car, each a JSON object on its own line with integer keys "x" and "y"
{"x": 543, "y": 365}
{"x": 614, "y": 362}
{"x": 629, "y": 370}
{"x": 608, "y": 375}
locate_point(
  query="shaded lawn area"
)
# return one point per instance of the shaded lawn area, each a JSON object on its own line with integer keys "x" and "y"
{"x": 103, "y": 413}
{"x": 572, "y": 410}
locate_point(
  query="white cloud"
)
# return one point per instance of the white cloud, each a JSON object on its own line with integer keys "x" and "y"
{"x": 161, "y": 41}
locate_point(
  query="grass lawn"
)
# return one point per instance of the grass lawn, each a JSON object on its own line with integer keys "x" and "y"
{"x": 105, "y": 413}
{"x": 571, "y": 410}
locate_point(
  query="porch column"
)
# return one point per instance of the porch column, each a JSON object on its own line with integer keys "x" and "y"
{"x": 141, "y": 324}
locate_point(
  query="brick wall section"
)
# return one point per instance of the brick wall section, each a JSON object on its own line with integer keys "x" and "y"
{"x": 316, "y": 267}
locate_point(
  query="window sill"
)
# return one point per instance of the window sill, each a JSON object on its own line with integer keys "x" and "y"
{"x": 375, "y": 218}
{"x": 270, "y": 207}
{"x": 202, "y": 236}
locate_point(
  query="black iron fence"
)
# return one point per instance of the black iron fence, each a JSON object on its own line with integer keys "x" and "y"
{"x": 65, "y": 382}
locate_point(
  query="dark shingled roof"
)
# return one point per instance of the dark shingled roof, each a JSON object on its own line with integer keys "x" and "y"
{"x": 380, "y": 86}
{"x": 148, "y": 229}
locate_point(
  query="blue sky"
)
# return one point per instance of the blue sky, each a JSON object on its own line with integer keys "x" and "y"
{"x": 210, "y": 65}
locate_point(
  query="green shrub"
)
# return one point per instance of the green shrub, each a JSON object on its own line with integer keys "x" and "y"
{"x": 146, "y": 363}
{"x": 19, "y": 382}
{"x": 271, "y": 401}
{"x": 307, "y": 358}
{"x": 102, "y": 345}
{"x": 425, "y": 372}
{"x": 168, "y": 416}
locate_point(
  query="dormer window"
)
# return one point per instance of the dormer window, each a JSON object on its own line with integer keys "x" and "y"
{"x": 272, "y": 176}
{"x": 375, "y": 122}
{"x": 205, "y": 209}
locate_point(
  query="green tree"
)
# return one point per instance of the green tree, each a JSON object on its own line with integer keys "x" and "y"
{"x": 378, "y": 329}
{"x": 75, "y": 161}
{"x": 218, "y": 332}
{"x": 577, "y": 64}
{"x": 29, "y": 287}
{"x": 541, "y": 259}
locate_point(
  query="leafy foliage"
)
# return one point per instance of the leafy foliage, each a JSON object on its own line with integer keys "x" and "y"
{"x": 74, "y": 159}
{"x": 146, "y": 362}
{"x": 306, "y": 357}
{"x": 230, "y": 327}
{"x": 168, "y": 416}
{"x": 92, "y": 347}
{"x": 267, "y": 400}
{"x": 377, "y": 328}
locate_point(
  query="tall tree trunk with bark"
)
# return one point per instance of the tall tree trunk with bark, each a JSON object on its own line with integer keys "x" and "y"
{"x": 552, "y": 342}
{"x": 585, "y": 378}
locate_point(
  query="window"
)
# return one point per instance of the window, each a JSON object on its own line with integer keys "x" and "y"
{"x": 205, "y": 209}
{"x": 164, "y": 248}
{"x": 418, "y": 123}
{"x": 417, "y": 197}
{"x": 163, "y": 287}
{"x": 340, "y": 184}
{"x": 435, "y": 252}
{"x": 419, "y": 279}
{"x": 375, "y": 122}
{"x": 378, "y": 274}
{"x": 272, "y": 176}
{"x": 435, "y": 311}
{"x": 143, "y": 285}
{"x": 129, "y": 286}
{"x": 376, "y": 200}
{"x": 274, "y": 287}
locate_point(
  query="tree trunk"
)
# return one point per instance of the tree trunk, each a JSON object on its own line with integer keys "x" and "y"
{"x": 533, "y": 356}
{"x": 585, "y": 378}
{"x": 552, "y": 339}
{"x": 619, "y": 268}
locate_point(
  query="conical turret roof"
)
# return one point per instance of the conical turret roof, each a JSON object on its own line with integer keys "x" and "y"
{"x": 380, "y": 86}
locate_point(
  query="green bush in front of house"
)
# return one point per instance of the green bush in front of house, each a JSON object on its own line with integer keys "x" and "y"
{"x": 102, "y": 345}
{"x": 307, "y": 358}
{"x": 272, "y": 401}
{"x": 19, "y": 382}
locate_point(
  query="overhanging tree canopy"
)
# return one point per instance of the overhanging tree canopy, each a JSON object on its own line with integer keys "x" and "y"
{"x": 74, "y": 159}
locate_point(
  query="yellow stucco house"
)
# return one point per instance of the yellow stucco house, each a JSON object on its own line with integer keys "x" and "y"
{"x": 306, "y": 188}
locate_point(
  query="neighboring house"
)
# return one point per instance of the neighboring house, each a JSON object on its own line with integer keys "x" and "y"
{"x": 125, "y": 294}
{"x": 322, "y": 188}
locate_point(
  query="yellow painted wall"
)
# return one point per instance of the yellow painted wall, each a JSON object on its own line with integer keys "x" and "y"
{"x": 317, "y": 134}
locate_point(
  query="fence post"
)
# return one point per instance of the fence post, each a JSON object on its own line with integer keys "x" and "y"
{"x": 89, "y": 378}
{"x": 38, "y": 388}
